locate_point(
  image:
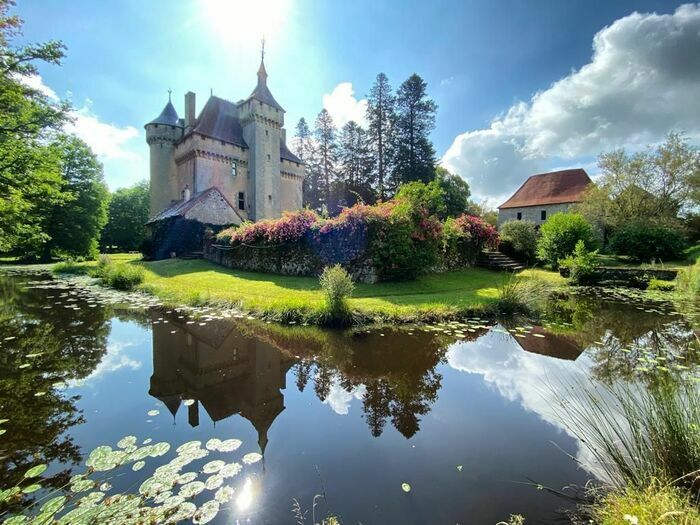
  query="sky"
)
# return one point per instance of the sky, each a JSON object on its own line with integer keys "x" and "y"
{"x": 522, "y": 87}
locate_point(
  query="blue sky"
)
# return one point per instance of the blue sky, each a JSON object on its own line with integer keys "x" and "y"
{"x": 522, "y": 86}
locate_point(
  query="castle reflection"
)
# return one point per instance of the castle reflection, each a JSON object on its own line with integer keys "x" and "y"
{"x": 223, "y": 371}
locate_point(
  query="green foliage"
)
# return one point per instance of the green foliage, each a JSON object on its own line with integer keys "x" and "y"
{"x": 430, "y": 197}
{"x": 74, "y": 227}
{"x": 657, "y": 503}
{"x": 455, "y": 191}
{"x": 69, "y": 266}
{"x": 520, "y": 295}
{"x": 121, "y": 276}
{"x": 337, "y": 286}
{"x": 688, "y": 281}
{"x": 638, "y": 436}
{"x": 559, "y": 235}
{"x": 647, "y": 242}
{"x": 582, "y": 264}
{"x": 128, "y": 213}
{"x": 519, "y": 239}
{"x": 662, "y": 286}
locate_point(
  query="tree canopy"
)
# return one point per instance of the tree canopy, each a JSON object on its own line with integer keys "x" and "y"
{"x": 128, "y": 213}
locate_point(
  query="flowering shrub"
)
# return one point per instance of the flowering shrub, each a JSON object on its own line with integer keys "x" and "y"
{"x": 401, "y": 240}
{"x": 464, "y": 237}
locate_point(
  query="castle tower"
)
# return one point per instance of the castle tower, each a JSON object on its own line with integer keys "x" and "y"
{"x": 161, "y": 135}
{"x": 262, "y": 119}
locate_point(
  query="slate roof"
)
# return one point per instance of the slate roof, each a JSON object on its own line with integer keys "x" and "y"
{"x": 288, "y": 155}
{"x": 167, "y": 117}
{"x": 181, "y": 207}
{"x": 557, "y": 187}
{"x": 219, "y": 120}
{"x": 262, "y": 92}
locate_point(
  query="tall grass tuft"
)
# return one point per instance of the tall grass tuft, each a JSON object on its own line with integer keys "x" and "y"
{"x": 69, "y": 266}
{"x": 520, "y": 295}
{"x": 639, "y": 435}
{"x": 337, "y": 287}
{"x": 121, "y": 276}
{"x": 688, "y": 281}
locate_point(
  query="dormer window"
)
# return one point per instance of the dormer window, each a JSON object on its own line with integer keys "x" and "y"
{"x": 234, "y": 169}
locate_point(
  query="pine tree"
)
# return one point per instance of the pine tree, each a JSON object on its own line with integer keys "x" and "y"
{"x": 415, "y": 155}
{"x": 326, "y": 147}
{"x": 355, "y": 166}
{"x": 381, "y": 117}
{"x": 303, "y": 142}
{"x": 304, "y": 147}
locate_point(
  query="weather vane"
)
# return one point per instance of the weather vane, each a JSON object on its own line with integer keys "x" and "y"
{"x": 263, "y": 48}
{"x": 170, "y": 92}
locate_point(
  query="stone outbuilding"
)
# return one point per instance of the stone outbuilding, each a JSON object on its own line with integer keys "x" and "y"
{"x": 179, "y": 228}
{"x": 543, "y": 195}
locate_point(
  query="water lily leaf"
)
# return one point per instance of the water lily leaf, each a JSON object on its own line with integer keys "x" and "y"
{"x": 153, "y": 412}
{"x": 189, "y": 402}
{"x": 31, "y": 488}
{"x": 213, "y": 466}
{"x": 231, "y": 470}
{"x": 187, "y": 477}
{"x": 15, "y": 520}
{"x": 105, "y": 486}
{"x": 184, "y": 512}
{"x": 189, "y": 446}
{"x": 213, "y": 444}
{"x": 35, "y": 471}
{"x": 191, "y": 489}
{"x": 251, "y": 457}
{"x": 127, "y": 442}
{"x": 53, "y": 505}
{"x": 138, "y": 466}
{"x": 159, "y": 449}
{"x": 214, "y": 482}
{"x": 206, "y": 512}
{"x": 405, "y": 487}
{"x": 224, "y": 494}
{"x": 230, "y": 445}
{"x": 82, "y": 485}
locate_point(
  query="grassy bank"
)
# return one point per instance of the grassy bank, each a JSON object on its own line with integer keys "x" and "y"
{"x": 471, "y": 291}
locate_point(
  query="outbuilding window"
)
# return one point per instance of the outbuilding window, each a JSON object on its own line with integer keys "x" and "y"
{"x": 241, "y": 200}
{"x": 543, "y": 215}
{"x": 520, "y": 216}
{"x": 234, "y": 169}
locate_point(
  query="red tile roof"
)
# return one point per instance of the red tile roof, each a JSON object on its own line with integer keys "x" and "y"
{"x": 556, "y": 187}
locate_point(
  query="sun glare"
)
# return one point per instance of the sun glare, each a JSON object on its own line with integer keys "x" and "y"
{"x": 244, "y": 24}
{"x": 245, "y": 497}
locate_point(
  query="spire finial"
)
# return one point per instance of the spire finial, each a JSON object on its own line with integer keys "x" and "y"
{"x": 170, "y": 92}
{"x": 262, "y": 51}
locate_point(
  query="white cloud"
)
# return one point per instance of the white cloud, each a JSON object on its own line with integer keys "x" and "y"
{"x": 339, "y": 399}
{"x": 642, "y": 81}
{"x": 113, "y": 360}
{"x": 120, "y": 148}
{"x": 344, "y": 107}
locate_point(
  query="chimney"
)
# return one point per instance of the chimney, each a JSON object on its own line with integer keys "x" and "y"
{"x": 284, "y": 135}
{"x": 189, "y": 110}
{"x": 186, "y": 193}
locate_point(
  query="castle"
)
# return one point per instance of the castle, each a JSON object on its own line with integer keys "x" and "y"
{"x": 227, "y": 165}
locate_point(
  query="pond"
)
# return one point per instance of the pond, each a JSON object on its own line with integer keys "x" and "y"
{"x": 445, "y": 423}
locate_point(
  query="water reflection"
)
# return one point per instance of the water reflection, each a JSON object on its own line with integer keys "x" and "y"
{"x": 214, "y": 365}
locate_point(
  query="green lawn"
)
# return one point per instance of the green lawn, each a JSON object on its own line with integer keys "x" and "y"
{"x": 441, "y": 295}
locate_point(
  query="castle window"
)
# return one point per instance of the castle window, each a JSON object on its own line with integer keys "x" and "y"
{"x": 268, "y": 156}
{"x": 241, "y": 200}
{"x": 520, "y": 216}
{"x": 543, "y": 215}
{"x": 234, "y": 169}
{"x": 267, "y": 133}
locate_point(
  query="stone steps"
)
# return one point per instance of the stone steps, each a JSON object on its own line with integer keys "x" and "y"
{"x": 498, "y": 261}
{"x": 192, "y": 255}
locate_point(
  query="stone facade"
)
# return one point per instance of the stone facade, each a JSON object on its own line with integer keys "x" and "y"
{"x": 531, "y": 213}
{"x": 239, "y": 148}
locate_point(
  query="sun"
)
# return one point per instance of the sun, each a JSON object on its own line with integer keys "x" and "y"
{"x": 244, "y": 23}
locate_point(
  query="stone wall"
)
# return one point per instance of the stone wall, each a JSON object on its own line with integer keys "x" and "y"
{"x": 293, "y": 259}
{"x": 635, "y": 277}
{"x": 530, "y": 213}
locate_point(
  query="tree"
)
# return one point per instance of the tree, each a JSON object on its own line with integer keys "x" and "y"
{"x": 656, "y": 186}
{"x": 429, "y": 197}
{"x": 559, "y": 235}
{"x": 354, "y": 166}
{"x": 415, "y": 155}
{"x": 325, "y": 135}
{"x": 381, "y": 118}
{"x": 456, "y": 192}
{"x": 74, "y": 228}
{"x": 128, "y": 213}
{"x": 30, "y": 180}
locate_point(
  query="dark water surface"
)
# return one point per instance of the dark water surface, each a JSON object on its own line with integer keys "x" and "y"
{"x": 461, "y": 413}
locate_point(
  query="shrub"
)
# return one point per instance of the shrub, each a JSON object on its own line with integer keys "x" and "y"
{"x": 337, "y": 286}
{"x": 519, "y": 239}
{"x": 430, "y": 197}
{"x": 520, "y": 295}
{"x": 464, "y": 237}
{"x": 646, "y": 242}
{"x": 121, "y": 276}
{"x": 559, "y": 235}
{"x": 582, "y": 264}
{"x": 663, "y": 286}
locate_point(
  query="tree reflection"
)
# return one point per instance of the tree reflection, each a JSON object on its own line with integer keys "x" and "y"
{"x": 41, "y": 349}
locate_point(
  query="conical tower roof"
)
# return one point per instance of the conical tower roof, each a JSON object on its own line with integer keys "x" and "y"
{"x": 261, "y": 91}
{"x": 168, "y": 116}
